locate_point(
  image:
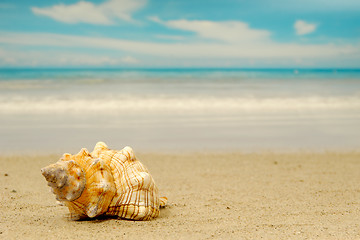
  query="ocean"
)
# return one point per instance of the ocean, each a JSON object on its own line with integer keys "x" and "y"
{"x": 182, "y": 110}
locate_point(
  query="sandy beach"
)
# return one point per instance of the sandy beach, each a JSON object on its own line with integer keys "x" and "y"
{"x": 245, "y": 113}
{"x": 263, "y": 195}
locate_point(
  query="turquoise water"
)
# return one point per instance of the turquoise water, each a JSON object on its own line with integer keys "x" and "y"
{"x": 35, "y": 73}
{"x": 180, "y": 109}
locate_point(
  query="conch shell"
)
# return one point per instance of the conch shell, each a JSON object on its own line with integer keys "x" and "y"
{"x": 104, "y": 182}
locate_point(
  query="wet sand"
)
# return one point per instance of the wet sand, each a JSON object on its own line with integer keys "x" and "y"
{"x": 261, "y": 195}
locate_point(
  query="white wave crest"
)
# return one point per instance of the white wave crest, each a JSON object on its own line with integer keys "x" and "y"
{"x": 113, "y": 105}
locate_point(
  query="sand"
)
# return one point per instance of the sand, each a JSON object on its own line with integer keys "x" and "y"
{"x": 211, "y": 196}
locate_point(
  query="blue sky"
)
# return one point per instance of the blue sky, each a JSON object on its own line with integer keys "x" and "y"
{"x": 174, "y": 33}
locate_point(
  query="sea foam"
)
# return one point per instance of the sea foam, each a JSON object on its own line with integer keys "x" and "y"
{"x": 208, "y": 104}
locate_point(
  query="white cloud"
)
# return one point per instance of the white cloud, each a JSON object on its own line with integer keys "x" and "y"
{"x": 80, "y": 12}
{"x": 304, "y": 6}
{"x": 214, "y": 43}
{"x": 129, "y": 60}
{"x": 303, "y": 28}
{"x": 170, "y": 37}
{"x": 192, "y": 50}
{"x": 87, "y": 12}
{"x": 226, "y": 31}
{"x": 63, "y": 58}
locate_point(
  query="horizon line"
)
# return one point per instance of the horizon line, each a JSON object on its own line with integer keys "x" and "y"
{"x": 182, "y": 68}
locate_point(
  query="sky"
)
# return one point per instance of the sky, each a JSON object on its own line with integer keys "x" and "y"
{"x": 180, "y": 33}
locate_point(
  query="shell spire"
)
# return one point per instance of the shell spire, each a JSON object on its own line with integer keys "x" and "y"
{"x": 66, "y": 179}
{"x": 104, "y": 182}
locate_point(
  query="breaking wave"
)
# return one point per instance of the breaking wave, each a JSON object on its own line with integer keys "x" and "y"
{"x": 208, "y": 104}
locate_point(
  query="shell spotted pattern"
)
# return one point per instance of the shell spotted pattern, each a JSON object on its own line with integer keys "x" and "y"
{"x": 104, "y": 182}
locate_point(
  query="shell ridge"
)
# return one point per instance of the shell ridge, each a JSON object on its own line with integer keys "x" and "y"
{"x": 138, "y": 199}
{"x": 117, "y": 173}
{"x": 75, "y": 207}
{"x": 134, "y": 180}
{"x": 129, "y": 153}
{"x": 163, "y": 201}
{"x": 146, "y": 209}
{"x": 105, "y": 186}
{"x": 131, "y": 187}
{"x": 128, "y": 197}
{"x": 121, "y": 173}
{"x": 124, "y": 210}
{"x": 110, "y": 154}
{"x": 96, "y": 199}
{"x": 93, "y": 211}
